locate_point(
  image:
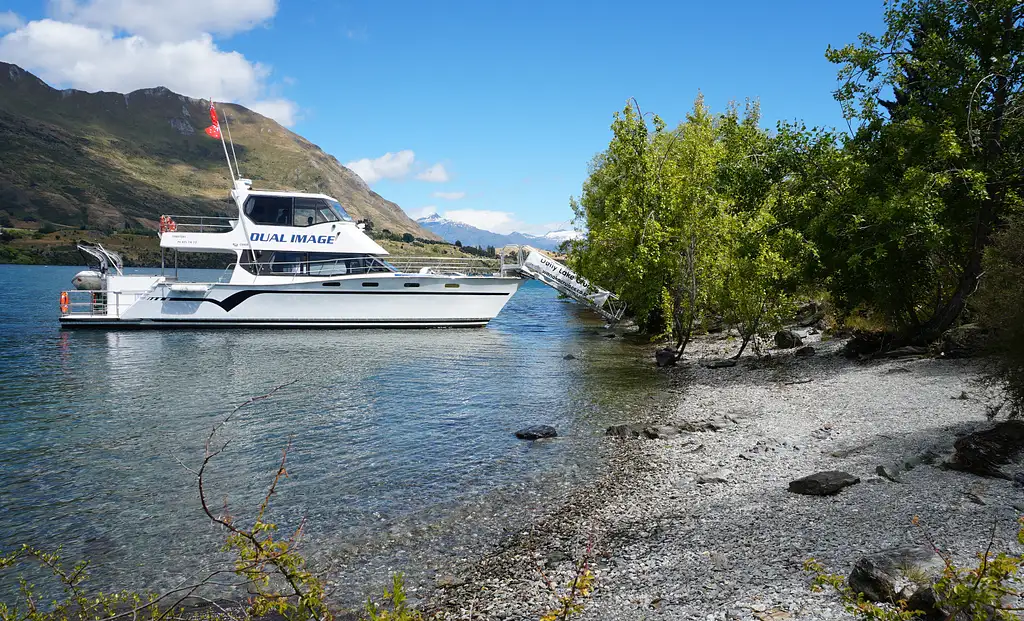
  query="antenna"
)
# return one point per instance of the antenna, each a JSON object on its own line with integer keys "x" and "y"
{"x": 226, "y": 156}
{"x": 228, "y": 127}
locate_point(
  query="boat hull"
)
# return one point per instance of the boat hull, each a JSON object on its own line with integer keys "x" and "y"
{"x": 368, "y": 301}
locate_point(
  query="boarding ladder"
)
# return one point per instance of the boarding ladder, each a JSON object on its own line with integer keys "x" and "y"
{"x": 529, "y": 262}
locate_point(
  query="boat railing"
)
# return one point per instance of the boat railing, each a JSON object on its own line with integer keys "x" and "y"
{"x": 470, "y": 266}
{"x": 201, "y": 224}
{"x": 369, "y": 264}
{"x": 98, "y": 303}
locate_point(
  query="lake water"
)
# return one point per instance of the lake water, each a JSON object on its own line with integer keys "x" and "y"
{"x": 401, "y": 453}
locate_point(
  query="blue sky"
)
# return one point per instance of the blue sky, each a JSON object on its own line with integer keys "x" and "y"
{"x": 490, "y": 110}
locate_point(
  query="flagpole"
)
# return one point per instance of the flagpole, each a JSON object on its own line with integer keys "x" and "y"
{"x": 228, "y": 127}
{"x": 224, "y": 144}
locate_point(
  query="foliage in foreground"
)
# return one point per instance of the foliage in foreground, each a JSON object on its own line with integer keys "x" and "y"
{"x": 976, "y": 593}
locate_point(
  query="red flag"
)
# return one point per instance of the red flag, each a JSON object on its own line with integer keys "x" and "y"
{"x": 213, "y": 131}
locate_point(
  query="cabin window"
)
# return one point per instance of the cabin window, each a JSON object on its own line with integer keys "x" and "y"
{"x": 289, "y": 263}
{"x": 370, "y": 284}
{"x": 310, "y": 211}
{"x": 412, "y": 284}
{"x": 340, "y": 211}
{"x": 273, "y": 210}
{"x": 333, "y": 283}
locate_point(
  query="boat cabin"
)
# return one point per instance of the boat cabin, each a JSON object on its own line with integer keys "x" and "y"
{"x": 280, "y": 234}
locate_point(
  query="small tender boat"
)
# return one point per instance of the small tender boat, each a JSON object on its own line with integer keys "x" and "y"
{"x": 299, "y": 261}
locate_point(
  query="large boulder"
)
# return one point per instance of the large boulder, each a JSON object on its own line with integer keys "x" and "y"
{"x": 898, "y": 573}
{"x": 787, "y": 339}
{"x": 823, "y": 483}
{"x": 537, "y": 432}
{"x": 985, "y": 452}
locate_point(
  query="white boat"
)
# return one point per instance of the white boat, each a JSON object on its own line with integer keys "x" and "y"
{"x": 299, "y": 261}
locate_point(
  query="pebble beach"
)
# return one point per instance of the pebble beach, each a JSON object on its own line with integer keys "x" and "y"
{"x": 701, "y": 525}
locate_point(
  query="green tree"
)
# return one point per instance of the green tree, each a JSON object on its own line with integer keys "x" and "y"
{"x": 932, "y": 171}
{"x": 683, "y": 227}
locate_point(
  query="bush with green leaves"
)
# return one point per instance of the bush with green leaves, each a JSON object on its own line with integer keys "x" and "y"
{"x": 977, "y": 593}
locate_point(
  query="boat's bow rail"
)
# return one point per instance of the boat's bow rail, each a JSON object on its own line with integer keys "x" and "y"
{"x": 466, "y": 266}
{"x": 197, "y": 224}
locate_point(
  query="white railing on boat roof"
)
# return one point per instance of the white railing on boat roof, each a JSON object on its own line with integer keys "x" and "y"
{"x": 201, "y": 224}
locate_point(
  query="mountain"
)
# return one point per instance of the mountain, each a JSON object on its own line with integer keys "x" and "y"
{"x": 111, "y": 160}
{"x": 452, "y": 231}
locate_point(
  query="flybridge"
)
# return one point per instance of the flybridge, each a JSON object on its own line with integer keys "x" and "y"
{"x": 531, "y": 263}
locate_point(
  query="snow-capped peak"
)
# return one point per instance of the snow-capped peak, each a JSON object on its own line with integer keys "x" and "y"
{"x": 434, "y": 217}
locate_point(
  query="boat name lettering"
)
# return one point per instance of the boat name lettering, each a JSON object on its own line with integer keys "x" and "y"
{"x": 564, "y": 272}
{"x": 296, "y": 239}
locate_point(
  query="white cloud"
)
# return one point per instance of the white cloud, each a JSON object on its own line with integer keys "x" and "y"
{"x": 89, "y": 58}
{"x": 503, "y": 222}
{"x": 284, "y": 111}
{"x": 422, "y": 212}
{"x": 496, "y": 221}
{"x": 167, "y": 20}
{"x": 434, "y": 174}
{"x": 9, "y": 20}
{"x": 450, "y": 196}
{"x": 387, "y": 166}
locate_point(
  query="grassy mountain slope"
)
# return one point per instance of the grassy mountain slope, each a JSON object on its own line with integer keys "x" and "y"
{"x": 112, "y": 161}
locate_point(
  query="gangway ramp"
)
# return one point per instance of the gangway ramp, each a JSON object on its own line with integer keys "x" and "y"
{"x": 529, "y": 262}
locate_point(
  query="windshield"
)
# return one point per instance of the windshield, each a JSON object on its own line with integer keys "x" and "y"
{"x": 338, "y": 209}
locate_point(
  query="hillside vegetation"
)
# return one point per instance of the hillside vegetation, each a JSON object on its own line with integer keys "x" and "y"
{"x": 110, "y": 161}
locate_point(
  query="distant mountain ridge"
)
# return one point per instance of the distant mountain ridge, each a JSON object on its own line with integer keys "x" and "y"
{"x": 453, "y": 230}
{"x": 112, "y": 160}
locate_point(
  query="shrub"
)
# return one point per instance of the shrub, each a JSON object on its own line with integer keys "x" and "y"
{"x": 1000, "y": 304}
{"x": 973, "y": 593}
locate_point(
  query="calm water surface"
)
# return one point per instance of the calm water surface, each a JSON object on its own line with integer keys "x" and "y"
{"x": 402, "y": 455}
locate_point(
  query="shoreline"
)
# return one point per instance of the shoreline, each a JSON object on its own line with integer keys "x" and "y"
{"x": 702, "y": 525}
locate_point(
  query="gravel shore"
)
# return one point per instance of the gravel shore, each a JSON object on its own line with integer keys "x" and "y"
{"x": 701, "y": 525}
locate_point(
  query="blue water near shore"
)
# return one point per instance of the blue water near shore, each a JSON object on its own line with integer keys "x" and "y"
{"x": 401, "y": 448}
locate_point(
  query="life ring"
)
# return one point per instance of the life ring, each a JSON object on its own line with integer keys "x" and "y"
{"x": 64, "y": 302}
{"x": 171, "y": 225}
{"x": 163, "y": 224}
